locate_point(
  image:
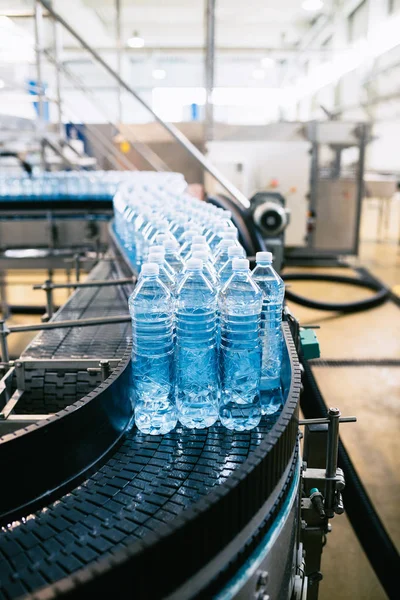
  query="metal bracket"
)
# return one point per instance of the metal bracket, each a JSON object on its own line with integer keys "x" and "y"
{"x": 332, "y": 477}
{"x": 323, "y": 482}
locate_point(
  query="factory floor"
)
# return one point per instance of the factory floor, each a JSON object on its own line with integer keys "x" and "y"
{"x": 372, "y": 394}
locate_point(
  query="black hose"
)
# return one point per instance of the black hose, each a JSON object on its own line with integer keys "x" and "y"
{"x": 355, "y": 362}
{"x": 21, "y": 309}
{"x": 242, "y": 220}
{"x": 363, "y": 517}
{"x": 378, "y": 298}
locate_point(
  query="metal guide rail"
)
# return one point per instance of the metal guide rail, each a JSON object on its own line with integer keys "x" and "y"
{"x": 82, "y": 493}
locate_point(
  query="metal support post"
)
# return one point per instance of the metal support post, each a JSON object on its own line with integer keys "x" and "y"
{"x": 48, "y": 288}
{"x": 5, "y": 357}
{"x": 172, "y": 130}
{"x": 118, "y": 36}
{"x": 314, "y": 177}
{"x": 105, "y": 369}
{"x": 39, "y": 82}
{"x": 77, "y": 259}
{"x": 4, "y": 309}
{"x": 51, "y": 230}
{"x": 57, "y": 60}
{"x": 331, "y": 460}
{"x": 209, "y": 70}
{"x": 362, "y": 134}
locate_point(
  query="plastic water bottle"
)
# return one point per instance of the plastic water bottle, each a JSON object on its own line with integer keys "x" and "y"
{"x": 273, "y": 290}
{"x": 172, "y": 255}
{"x": 208, "y": 268}
{"x": 164, "y": 274}
{"x": 222, "y": 256}
{"x": 226, "y": 270}
{"x": 240, "y": 302}
{"x": 196, "y": 349}
{"x": 158, "y": 249}
{"x": 227, "y": 234}
{"x": 186, "y": 241}
{"x": 151, "y": 309}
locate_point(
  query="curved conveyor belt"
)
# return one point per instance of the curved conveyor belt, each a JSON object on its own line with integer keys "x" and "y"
{"x": 129, "y": 511}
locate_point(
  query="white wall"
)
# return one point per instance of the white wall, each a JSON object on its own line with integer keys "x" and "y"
{"x": 275, "y": 166}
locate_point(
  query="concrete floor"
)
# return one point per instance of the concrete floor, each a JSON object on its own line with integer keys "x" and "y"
{"x": 372, "y": 394}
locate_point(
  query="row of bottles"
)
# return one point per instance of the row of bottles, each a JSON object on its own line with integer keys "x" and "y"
{"x": 82, "y": 185}
{"x": 218, "y": 348}
{"x": 207, "y": 341}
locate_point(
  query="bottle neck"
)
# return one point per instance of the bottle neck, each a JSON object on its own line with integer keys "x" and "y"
{"x": 264, "y": 264}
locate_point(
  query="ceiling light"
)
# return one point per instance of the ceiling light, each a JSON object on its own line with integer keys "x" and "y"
{"x": 135, "y": 41}
{"x": 267, "y": 62}
{"x": 312, "y": 5}
{"x": 159, "y": 74}
{"x": 2, "y": 84}
{"x": 258, "y": 74}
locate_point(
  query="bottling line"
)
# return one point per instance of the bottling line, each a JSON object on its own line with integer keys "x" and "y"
{"x": 92, "y": 506}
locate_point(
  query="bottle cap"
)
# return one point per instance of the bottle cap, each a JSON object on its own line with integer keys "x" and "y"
{"x": 236, "y": 251}
{"x": 264, "y": 257}
{"x": 230, "y": 235}
{"x": 226, "y": 243}
{"x": 201, "y": 254}
{"x": 240, "y": 264}
{"x": 199, "y": 239}
{"x": 203, "y": 247}
{"x": 162, "y": 225}
{"x": 170, "y": 244}
{"x": 194, "y": 263}
{"x": 150, "y": 268}
{"x": 156, "y": 257}
{"x": 191, "y": 232}
{"x": 157, "y": 248}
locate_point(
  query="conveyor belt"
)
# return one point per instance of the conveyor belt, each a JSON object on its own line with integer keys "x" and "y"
{"x": 50, "y": 391}
{"x": 106, "y": 341}
{"x": 147, "y": 483}
{"x": 157, "y": 504}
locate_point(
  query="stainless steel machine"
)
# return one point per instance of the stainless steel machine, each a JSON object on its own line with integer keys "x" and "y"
{"x": 318, "y": 170}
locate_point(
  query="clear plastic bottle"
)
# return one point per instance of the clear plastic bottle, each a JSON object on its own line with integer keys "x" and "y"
{"x": 151, "y": 309}
{"x": 226, "y": 270}
{"x": 208, "y": 268}
{"x": 215, "y": 234}
{"x": 273, "y": 290}
{"x": 172, "y": 255}
{"x": 186, "y": 241}
{"x": 164, "y": 275}
{"x": 240, "y": 302}
{"x": 196, "y": 348}
{"x": 158, "y": 249}
{"x": 222, "y": 256}
{"x": 226, "y": 234}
